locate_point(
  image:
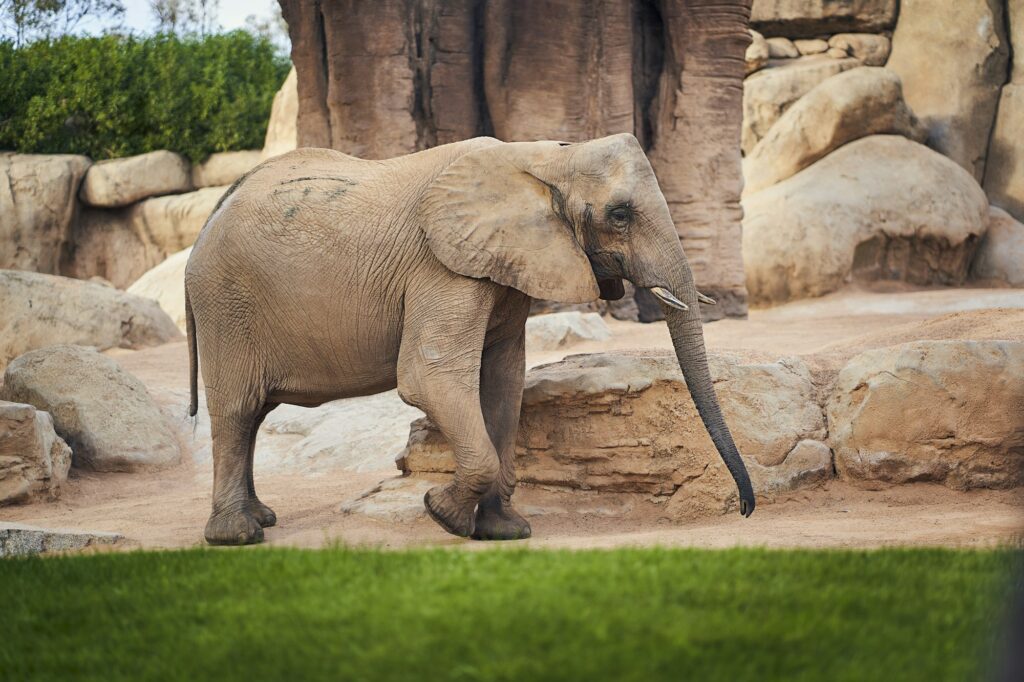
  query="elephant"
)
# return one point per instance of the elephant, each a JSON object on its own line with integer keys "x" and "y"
{"x": 321, "y": 276}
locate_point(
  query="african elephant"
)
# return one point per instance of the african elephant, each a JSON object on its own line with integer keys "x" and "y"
{"x": 321, "y": 276}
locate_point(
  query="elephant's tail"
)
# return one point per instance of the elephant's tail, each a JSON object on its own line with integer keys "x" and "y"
{"x": 193, "y": 359}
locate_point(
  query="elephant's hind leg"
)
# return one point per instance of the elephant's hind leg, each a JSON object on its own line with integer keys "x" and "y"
{"x": 264, "y": 514}
{"x": 233, "y": 521}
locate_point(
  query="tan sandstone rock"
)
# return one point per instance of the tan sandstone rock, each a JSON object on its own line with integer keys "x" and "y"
{"x": 223, "y": 168}
{"x": 1000, "y": 255}
{"x": 103, "y": 412}
{"x": 944, "y": 411}
{"x": 624, "y": 422}
{"x": 782, "y": 48}
{"x": 757, "y": 53}
{"x": 18, "y": 539}
{"x": 282, "y": 135}
{"x": 952, "y": 57}
{"x": 558, "y": 330}
{"x": 165, "y": 284}
{"x": 808, "y": 46}
{"x": 173, "y": 223}
{"x": 841, "y": 109}
{"x": 1004, "y": 169}
{"x": 813, "y": 17}
{"x": 34, "y": 461}
{"x": 869, "y": 48}
{"x": 770, "y": 92}
{"x": 119, "y": 182}
{"x": 43, "y": 310}
{"x": 883, "y": 207}
{"x": 37, "y": 208}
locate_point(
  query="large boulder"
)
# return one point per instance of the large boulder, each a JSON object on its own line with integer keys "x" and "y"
{"x": 119, "y": 182}
{"x": 945, "y": 411}
{"x": 282, "y": 132}
{"x": 165, "y": 284}
{"x": 1000, "y": 255}
{"x": 103, "y": 412}
{"x": 770, "y": 92}
{"x": 814, "y": 17}
{"x": 44, "y": 310}
{"x": 224, "y": 168}
{"x": 624, "y": 422}
{"x": 883, "y": 207}
{"x": 1004, "y": 170}
{"x": 558, "y": 330}
{"x": 841, "y": 109}
{"x": 952, "y": 57}
{"x": 34, "y": 461}
{"x": 37, "y": 208}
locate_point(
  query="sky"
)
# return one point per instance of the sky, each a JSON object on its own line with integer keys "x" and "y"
{"x": 139, "y": 17}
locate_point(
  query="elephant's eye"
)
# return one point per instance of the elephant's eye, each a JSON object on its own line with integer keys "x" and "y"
{"x": 619, "y": 216}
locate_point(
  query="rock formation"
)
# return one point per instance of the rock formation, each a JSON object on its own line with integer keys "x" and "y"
{"x": 34, "y": 461}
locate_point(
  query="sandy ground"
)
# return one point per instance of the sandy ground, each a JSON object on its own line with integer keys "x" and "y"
{"x": 169, "y": 508}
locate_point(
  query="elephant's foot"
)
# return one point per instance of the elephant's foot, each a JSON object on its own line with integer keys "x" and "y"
{"x": 233, "y": 528}
{"x": 264, "y": 515}
{"x": 499, "y": 521}
{"x": 452, "y": 509}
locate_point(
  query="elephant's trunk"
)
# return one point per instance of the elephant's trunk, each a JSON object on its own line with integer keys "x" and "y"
{"x": 688, "y": 341}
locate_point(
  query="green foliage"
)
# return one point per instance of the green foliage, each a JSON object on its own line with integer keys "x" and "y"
{"x": 645, "y": 615}
{"x": 118, "y": 95}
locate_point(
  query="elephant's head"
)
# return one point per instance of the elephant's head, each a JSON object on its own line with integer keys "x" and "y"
{"x": 568, "y": 222}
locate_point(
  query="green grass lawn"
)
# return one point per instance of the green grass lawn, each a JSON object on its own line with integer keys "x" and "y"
{"x": 504, "y": 615}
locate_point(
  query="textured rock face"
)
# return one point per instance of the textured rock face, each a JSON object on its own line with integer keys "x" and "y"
{"x": 20, "y": 540}
{"x": 1004, "y": 170}
{"x": 37, "y": 209}
{"x": 869, "y": 48}
{"x": 103, "y": 412}
{"x": 1000, "y": 255}
{"x": 44, "y": 310}
{"x": 119, "y": 182}
{"x": 882, "y": 207}
{"x": 813, "y": 17}
{"x": 952, "y": 57}
{"x": 770, "y": 92}
{"x": 224, "y": 168}
{"x": 841, "y": 109}
{"x": 282, "y": 136}
{"x": 165, "y": 284}
{"x": 923, "y": 411}
{"x": 757, "y": 53}
{"x": 173, "y": 223}
{"x": 34, "y": 461}
{"x": 619, "y": 422}
{"x": 557, "y": 330}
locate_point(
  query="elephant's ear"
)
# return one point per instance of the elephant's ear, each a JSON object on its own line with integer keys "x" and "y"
{"x": 497, "y": 213}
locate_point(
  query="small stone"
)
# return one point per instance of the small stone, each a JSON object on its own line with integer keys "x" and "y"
{"x": 782, "y": 48}
{"x": 837, "y": 53}
{"x": 757, "y": 53}
{"x": 17, "y": 539}
{"x": 807, "y": 46}
{"x": 871, "y": 49}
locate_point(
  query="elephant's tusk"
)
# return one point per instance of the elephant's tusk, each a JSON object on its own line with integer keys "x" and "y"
{"x": 707, "y": 300}
{"x": 666, "y": 297}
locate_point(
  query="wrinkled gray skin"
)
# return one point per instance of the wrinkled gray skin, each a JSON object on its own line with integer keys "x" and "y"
{"x": 321, "y": 276}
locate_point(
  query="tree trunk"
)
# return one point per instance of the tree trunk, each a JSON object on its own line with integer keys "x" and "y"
{"x": 391, "y": 77}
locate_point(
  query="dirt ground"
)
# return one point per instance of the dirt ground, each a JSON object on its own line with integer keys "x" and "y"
{"x": 169, "y": 508}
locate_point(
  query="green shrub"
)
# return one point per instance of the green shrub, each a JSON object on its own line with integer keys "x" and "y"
{"x": 119, "y": 95}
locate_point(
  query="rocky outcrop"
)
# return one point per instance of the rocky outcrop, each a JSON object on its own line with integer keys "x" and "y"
{"x": 37, "y": 209}
{"x": 795, "y": 18}
{"x": 44, "y": 310}
{"x": 882, "y": 207}
{"x": 34, "y": 461}
{"x": 869, "y": 48}
{"x": 17, "y": 539}
{"x": 923, "y": 411}
{"x": 558, "y": 330}
{"x": 757, "y": 53}
{"x": 1004, "y": 169}
{"x": 952, "y": 57}
{"x": 165, "y": 284}
{"x": 624, "y": 422}
{"x": 223, "y": 168}
{"x": 282, "y": 136}
{"x": 1000, "y": 255}
{"x": 120, "y": 182}
{"x": 841, "y": 109}
{"x": 770, "y": 92}
{"x": 103, "y": 412}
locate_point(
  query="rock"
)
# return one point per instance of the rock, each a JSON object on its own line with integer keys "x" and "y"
{"x": 17, "y": 539}
{"x": 165, "y": 284}
{"x": 44, "y": 310}
{"x": 952, "y": 57}
{"x": 782, "y": 48}
{"x": 1004, "y": 169}
{"x": 757, "y": 52}
{"x": 1000, "y": 255}
{"x": 869, "y": 48}
{"x": 173, "y": 223}
{"x": 119, "y": 182}
{"x": 813, "y": 17}
{"x": 37, "y": 208}
{"x": 1015, "y": 19}
{"x": 808, "y": 46}
{"x": 836, "y": 53}
{"x": 558, "y": 330}
{"x": 395, "y": 500}
{"x": 923, "y": 411}
{"x": 624, "y": 422}
{"x": 34, "y": 461}
{"x": 106, "y": 244}
{"x": 224, "y": 168}
{"x": 841, "y": 109}
{"x": 882, "y": 207}
{"x": 282, "y": 135}
{"x": 103, "y": 412}
{"x": 769, "y": 92}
